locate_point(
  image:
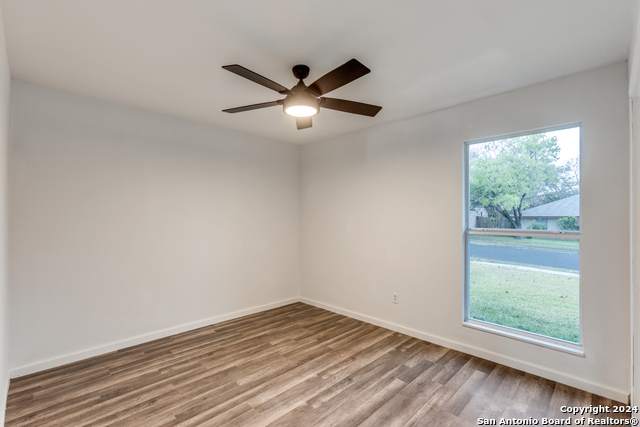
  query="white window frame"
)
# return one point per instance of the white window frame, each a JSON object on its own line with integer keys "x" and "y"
{"x": 493, "y": 328}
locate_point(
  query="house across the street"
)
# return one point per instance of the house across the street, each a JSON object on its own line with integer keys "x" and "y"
{"x": 547, "y": 215}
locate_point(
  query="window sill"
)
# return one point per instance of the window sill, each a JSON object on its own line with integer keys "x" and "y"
{"x": 554, "y": 344}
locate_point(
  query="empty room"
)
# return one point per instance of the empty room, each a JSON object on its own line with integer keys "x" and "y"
{"x": 365, "y": 213}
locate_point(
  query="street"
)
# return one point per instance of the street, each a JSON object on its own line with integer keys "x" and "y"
{"x": 539, "y": 257}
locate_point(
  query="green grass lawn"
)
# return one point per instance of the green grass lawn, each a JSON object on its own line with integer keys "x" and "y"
{"x": 534, "y": 242}
{"x": 538, "y": 302}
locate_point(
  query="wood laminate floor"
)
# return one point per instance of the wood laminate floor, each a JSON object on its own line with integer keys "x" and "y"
{"x": 292, "y": 366}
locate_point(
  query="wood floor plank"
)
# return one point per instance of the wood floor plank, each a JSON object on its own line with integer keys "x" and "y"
{"x": 400, "y": 408}
{"x": 293, "y": 366}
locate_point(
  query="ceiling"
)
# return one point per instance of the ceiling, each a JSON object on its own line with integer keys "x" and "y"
{"x": 166, "y": 55}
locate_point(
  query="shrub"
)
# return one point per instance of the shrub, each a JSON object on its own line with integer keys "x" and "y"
{"x": 535, "y": 226}
{"x": 568, "y": 223}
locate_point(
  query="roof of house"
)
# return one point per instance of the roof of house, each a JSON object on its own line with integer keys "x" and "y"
{"x": 569, "y": 206}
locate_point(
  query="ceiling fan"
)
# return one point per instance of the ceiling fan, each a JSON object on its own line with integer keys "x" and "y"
{"x": 304, "y": 102}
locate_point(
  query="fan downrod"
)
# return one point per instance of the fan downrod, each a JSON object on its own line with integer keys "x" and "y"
{"x": 300, "y": 71}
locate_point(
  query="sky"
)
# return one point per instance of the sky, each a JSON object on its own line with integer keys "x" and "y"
{"x": 567, "y": 139}
{"x": 569, "y": 143}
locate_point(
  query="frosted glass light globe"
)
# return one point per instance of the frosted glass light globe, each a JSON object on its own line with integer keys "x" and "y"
{"x": 301, "y": 111}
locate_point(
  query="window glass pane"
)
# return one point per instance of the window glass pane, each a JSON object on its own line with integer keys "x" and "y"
{"x": 526, "y": 283}
{"x": 526, "y": 182}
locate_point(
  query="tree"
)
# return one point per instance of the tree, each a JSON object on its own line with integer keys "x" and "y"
{"x": 567, "y": 183}
{"x": 510, "y": 175}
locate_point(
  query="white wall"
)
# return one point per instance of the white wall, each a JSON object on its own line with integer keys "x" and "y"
{"x": 127, "y": 225}
{"x": 5, "y": 87}
{"x": 382, "y": 212}
{"x": 634, "y": 121}
{"x": 635, "y": 252}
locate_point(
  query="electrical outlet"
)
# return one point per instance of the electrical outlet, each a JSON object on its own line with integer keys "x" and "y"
{"x": 395, "y": 298}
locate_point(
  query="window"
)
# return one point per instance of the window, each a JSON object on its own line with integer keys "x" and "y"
{"x": 522, "y": 238}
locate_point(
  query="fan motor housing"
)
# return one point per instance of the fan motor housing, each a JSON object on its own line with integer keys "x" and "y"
{"x": 301, "y": 71}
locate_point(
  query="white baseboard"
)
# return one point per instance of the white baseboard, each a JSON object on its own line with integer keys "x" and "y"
{"x": 532, "y": 368}
{"x": 118, "y": 345}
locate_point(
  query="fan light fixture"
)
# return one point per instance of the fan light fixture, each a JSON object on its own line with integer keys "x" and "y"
{"x": 301, "y": 104}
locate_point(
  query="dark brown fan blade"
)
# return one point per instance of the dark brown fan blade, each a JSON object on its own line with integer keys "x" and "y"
{"x": 346, "y": 73}
{"x": 256, "y": 78}
{"x": 303, "y": 122}
{"x": 350, "y": 106}
{"x": 252, "y": 107}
